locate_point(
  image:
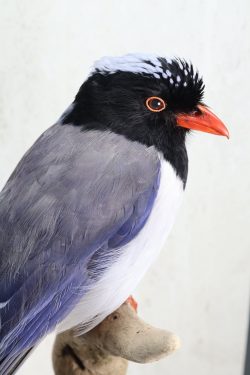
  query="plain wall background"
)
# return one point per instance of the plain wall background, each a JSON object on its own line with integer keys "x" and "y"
{"x": 199, "y": 287}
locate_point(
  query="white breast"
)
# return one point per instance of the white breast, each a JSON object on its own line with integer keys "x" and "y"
{"x": 123, "y": 276}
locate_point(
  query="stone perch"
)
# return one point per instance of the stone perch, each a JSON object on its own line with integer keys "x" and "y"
{"x": 106, "y": 349}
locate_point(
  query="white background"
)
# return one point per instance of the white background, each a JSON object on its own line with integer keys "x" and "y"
{"x": 199, "y": 287}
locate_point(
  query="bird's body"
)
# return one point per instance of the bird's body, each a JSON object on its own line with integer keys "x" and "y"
{"x": 90, "y": 205}
{"x": 133, "y": 257}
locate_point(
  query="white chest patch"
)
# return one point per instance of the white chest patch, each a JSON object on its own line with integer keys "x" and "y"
{"x": 122, "y": 277}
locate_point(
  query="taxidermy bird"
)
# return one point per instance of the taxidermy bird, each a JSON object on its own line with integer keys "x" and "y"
{"x": 91, "y": 203}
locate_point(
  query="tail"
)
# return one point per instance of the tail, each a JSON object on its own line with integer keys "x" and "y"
{"x": 9, "y": 365}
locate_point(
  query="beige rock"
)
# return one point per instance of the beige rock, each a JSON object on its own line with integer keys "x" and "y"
{"x": 105, "y": 350}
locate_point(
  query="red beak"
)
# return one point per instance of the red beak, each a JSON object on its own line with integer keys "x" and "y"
{"x": 204, "y": 120}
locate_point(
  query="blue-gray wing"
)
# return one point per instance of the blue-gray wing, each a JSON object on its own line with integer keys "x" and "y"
{"x": 73, "y": 193}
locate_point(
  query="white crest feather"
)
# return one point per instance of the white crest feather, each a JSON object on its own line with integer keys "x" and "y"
{"x": 135, "y": 63}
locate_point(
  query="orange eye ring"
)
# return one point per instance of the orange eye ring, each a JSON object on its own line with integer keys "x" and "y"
{"x": 155, "y": 104}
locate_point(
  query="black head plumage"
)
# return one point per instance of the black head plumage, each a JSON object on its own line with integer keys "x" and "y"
{"x": 114, "y": 95}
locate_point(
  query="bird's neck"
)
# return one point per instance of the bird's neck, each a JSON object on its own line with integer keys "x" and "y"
{"x": 171, "y": 146}
{"x": 178, "y": 158}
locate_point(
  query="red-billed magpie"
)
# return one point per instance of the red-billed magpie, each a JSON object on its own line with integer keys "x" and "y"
{"x": 90, "y": 205}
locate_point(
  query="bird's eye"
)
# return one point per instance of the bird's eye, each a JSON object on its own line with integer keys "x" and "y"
{"x": 155, "y": 104}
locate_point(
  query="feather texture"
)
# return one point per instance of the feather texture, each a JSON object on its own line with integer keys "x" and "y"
{"x": 123, "y": 274}
{"x": 66, "y": 214}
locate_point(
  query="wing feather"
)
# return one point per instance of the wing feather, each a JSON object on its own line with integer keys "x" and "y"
{"x": 72, "y": 197}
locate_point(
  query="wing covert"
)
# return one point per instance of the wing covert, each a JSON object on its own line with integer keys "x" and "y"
{"x": 73, "y": 194}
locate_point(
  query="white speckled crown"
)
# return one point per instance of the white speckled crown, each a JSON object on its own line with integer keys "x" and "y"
{"x": 141, "y": 63}
{"x": 135, "y": 63}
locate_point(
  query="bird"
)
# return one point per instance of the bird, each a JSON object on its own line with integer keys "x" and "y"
{"x": 90, "y": 205}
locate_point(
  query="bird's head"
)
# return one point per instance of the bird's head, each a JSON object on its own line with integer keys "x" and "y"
{"x": 147, "y": 98}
